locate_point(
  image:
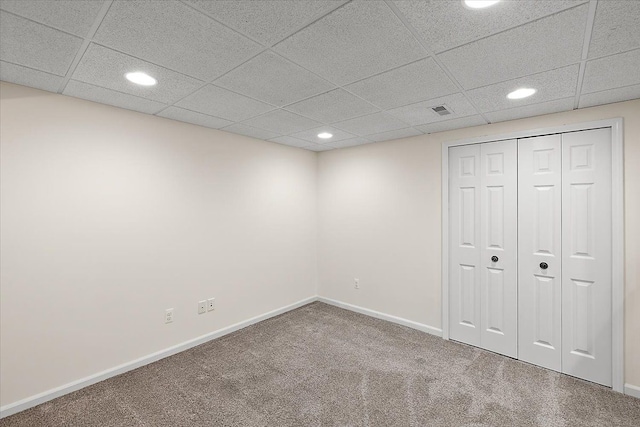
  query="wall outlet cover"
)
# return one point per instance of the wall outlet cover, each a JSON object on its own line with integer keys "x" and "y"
{"x": 211, "y": 304}
{"x": 202, "y": 306}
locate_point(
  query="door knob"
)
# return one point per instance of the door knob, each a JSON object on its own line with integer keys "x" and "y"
{"x": 544, "y": 265}
{"x": 494, "y": 259}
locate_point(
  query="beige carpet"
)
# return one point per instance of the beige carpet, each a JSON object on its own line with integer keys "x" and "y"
{"x": 323, "y": 366}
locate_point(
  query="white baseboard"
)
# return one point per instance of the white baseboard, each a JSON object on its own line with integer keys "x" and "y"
{"x": 394, "y": 319}
{"x": 43, "y": 397}
{"x": 632, "y": 390}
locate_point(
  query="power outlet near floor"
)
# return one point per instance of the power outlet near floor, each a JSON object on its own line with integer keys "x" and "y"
{"x": 168, "y": 315}
{"x": 356, "y": 283}
{"x": 202, "y": 306}
{"x": 211, "y": 304}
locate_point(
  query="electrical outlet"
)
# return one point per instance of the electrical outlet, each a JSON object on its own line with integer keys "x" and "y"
{"x": 356, "y": 283}
{"x": 168, "y": 315}
{"x": 202, "y": 306}
{"x": 211, "y": 304}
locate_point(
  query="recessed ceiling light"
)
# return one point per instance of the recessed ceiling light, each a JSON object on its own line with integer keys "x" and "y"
{"x": 325, "y": 135}
{"x": 521, "y": 93}
{"x": 479, "y": 4}
{"x": 141, "y": 78}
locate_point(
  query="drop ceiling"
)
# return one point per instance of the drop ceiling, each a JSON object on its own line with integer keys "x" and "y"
{"x": 365, "y": 71}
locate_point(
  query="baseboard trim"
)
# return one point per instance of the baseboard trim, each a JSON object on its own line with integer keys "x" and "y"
{"x": 378, "y": 315}
{"x": 43, "y": 397}
{"x": 632, "y": 390}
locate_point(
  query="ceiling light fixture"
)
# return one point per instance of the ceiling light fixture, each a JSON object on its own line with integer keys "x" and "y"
{"x": 325, "y": 135}
{"x": 479, "y": 4}
{"x": 140, "y": 78}
{"x": 521, "y": 93}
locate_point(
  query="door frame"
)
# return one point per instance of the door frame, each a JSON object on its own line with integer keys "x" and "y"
{"x": 617, "y": 231}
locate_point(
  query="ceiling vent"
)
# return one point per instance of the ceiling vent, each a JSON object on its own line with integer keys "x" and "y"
{"x": 441, "y": 110}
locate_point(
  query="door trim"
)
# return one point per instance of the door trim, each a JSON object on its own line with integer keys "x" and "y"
{"x": 617, "y": 237}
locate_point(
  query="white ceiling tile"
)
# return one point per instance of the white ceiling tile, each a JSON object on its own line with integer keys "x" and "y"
{"x": 422, "y": 113}
{"x": 18, "y": 74}
{"x": 111, "y": 97}
{"x": 73, "y": 16}
{"x": 394, "y": 134}
{"x": 282, "y": 122}
{"x": 612, "y": 72}
{"x": 447, "y": 24}
{"x": 460, "y": 123}
{"x": 193, "y": 117}
{"x": 357, "y": 40}
{"x": 333, "y": 106}
{"x": 173, "y": 35}
{"x": 311, "y": 135}
{"x": 104, "y": 67}
{"x": 371, "y": 124}
{"x": 542, "y": 45}
{"x": 531, "y": 110}
{"x": 219, "y": 102}
{"x": 550, "y": 85}
{"x": 352, "y": 142}
{"x": 616, "y": 27}
{"x": 273, "y": 79}
{"x": 266, "y": 21}
{"x": 291, "y": 141}
{"x": 405, "y": 85}
{"x": 318, "y": 147}
{"x": 33, "y": 45}
{"x": 247, "y": 130}
{"x": 609, "y": 96}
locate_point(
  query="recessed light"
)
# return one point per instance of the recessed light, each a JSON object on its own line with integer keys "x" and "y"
{"x": 479, "y": 4}
{"x": 521, "y": 93}
{"x": 325, "y": 135}
{"x": 141, "y": 78}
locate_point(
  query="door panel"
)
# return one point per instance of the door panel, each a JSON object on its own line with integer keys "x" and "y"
{"x": 586, "y": 242}
{"x": 464, "y": 256}
{"x": 539, "y": 241}
{"x": 498, "y": 238}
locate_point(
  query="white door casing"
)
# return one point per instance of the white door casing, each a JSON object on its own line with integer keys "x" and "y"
{"x": 586, "y": 255}
{"x": 498, "y": 238}
{"x": 539, "y": 241}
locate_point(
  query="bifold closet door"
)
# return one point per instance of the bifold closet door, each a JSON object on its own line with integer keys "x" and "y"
{"x": 483, "y": 246}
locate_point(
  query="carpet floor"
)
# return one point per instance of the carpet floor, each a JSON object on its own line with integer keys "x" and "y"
{"x": 323, "y": 366}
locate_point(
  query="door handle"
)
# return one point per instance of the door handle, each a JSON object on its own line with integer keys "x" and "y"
{"x": 544, "y": 265}
{"x": 494, "y": 259}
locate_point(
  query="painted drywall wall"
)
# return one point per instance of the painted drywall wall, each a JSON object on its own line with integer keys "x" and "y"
{"x": 108, "y": 217}
{"x": 380, "y": 221}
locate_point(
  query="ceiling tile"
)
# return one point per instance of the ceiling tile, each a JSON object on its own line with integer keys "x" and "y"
{"x": 616, "y": 28}
{"x": 609, "y": 96}
{"x": 104, "y": 67}
{"x": 24, "y": 42}
{"x": 318, "y": 147}
{"x": 193, "y": 117}
{"x": 333, "y": 106}
{"x": 18, "y": 74}
{"x": 175, "y": 36}
{"x": 355, "y": 41}
{"x": 611, "y": 72}
{"x": 273, "y": 79}
{"x": 265, "y": 21}
{"x": 219, "y": 102}
{"x": 460, "y": 123}
{"x": 246, "y": 130}
{"x": 352, "y": 142}
{"x": 291, "y": 141}
{"x": 73, "y": 16}
{"x": 422, "y": 113}
{"x": 405, "y": 85}
{"x": 550, "y": 85}
{"x": 373, "y": 123}
{"x": 394, "y": 134}
{"x": 532, "y": 110}
{"x": 546, "y": 44}
{"x": 446, "y": 24}
{"x": 282, "y": 122}
{"x": 311, "y": 135}
{"x": 111, "y": 97}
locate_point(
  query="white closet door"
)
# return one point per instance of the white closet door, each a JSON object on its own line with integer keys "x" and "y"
{"x": 539, "y": 251}
{"x": 464, "y": 246}
{"x": 586, "y": 242}
{"x": 499, "y": 246}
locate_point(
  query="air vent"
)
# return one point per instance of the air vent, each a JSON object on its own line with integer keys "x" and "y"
{"x": 441, "y": 110}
